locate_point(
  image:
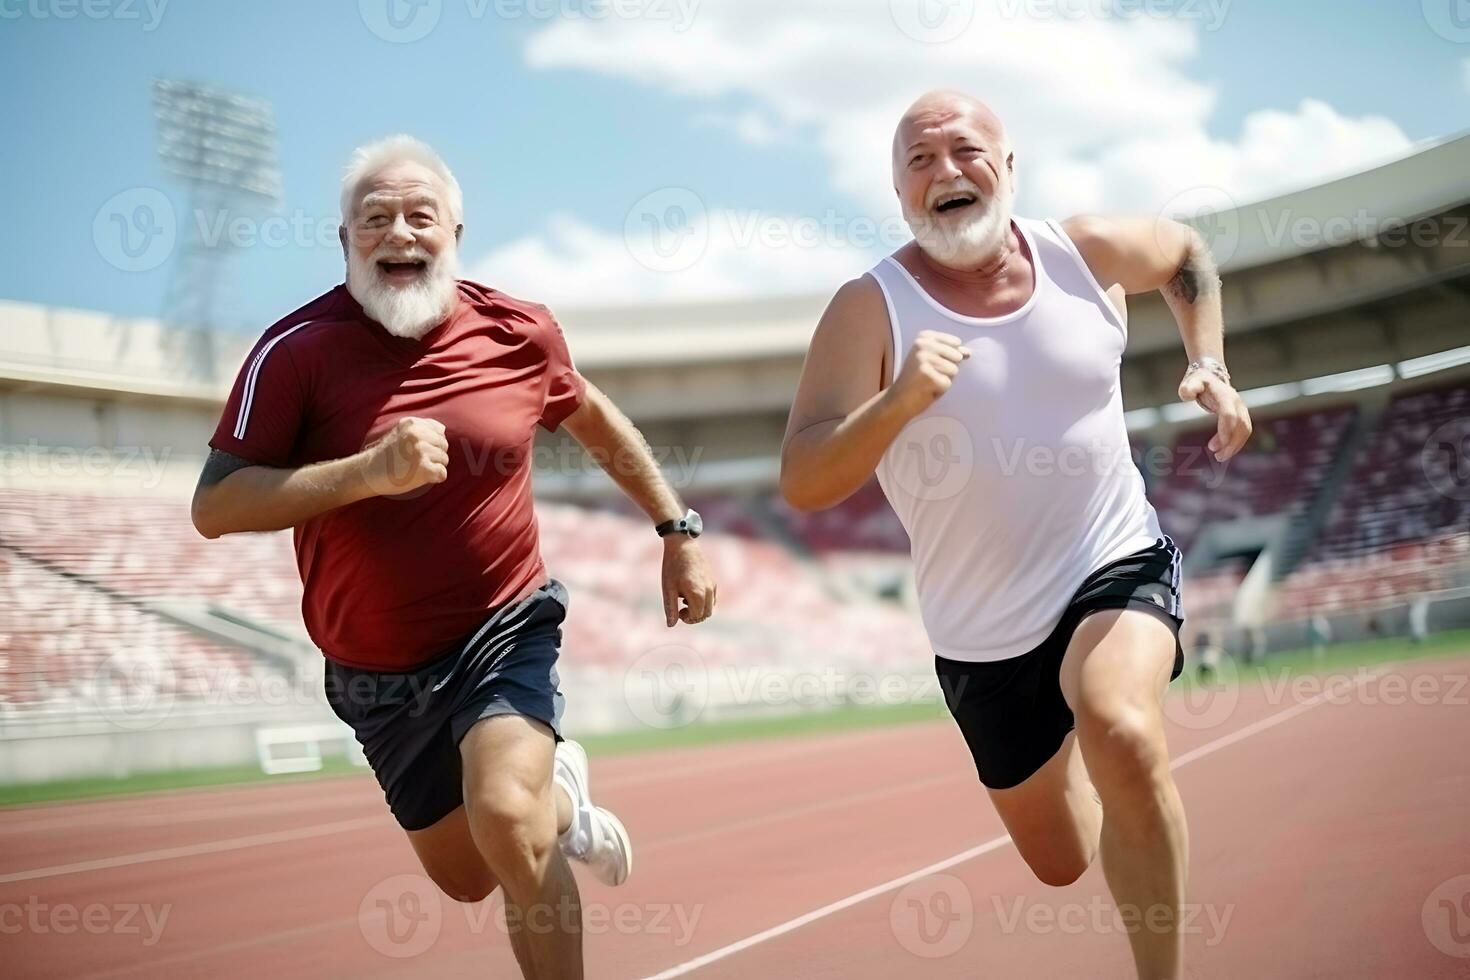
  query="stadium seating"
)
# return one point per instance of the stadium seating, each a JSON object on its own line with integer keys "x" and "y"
{"x": 1401, "y": 522}
{"x": 146, "y": 548}
{"x": 1278, "y": 472}
{"x": 862, "y": 522}
{"x": 88, "y": 556}
{"x": 65, "y": 646}
{"x": 1391, "y": 496}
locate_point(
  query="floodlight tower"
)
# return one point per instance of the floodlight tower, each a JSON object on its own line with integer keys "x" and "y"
{"x": 223, "y": 146}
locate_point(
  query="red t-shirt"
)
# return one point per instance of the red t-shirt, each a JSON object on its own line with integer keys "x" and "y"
{"x": 392, "y": 582}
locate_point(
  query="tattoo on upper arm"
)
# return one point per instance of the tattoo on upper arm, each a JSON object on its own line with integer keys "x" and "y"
{"x": 220, "y": 465}
{"x": 1196, "y": 277}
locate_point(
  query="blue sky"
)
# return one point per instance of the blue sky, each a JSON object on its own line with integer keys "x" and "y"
{"x": 559, "y": 124}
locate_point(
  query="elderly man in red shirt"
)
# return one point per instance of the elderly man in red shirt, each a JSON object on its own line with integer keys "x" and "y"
{"x": 391, "y": 423}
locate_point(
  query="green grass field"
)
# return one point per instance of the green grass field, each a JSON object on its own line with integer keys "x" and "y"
{"x": 1336, "y": 659}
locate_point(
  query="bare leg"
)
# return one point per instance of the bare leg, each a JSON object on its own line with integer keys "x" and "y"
{"x": 1114, "y": 676}
{"x": 1054, "y": 816}
{"x": 513, "y": 817}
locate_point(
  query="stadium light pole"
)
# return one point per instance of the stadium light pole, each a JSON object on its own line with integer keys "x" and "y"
{"x": 223, "y": 146}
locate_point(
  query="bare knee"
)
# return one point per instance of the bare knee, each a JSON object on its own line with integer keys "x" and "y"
{"x": 515, "y": 829}
{"x": 1124, "y": 747}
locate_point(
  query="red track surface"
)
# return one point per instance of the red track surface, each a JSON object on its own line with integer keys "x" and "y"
{"x": 1320, "y": 829}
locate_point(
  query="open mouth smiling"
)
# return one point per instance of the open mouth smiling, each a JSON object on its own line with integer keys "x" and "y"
{"x": 402, "y": 271}
{"x": 953, "y": 202}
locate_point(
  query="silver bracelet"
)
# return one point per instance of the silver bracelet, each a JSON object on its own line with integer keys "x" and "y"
{"x": 1210, "y": 364}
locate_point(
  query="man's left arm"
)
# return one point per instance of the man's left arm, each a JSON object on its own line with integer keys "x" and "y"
{"x": 622, "y": 452}
{"x": 1143, "y": 254}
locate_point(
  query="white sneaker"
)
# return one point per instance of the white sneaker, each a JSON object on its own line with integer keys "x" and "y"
{"x": 596, "y": 838}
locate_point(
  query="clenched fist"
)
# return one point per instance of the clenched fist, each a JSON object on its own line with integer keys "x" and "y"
{"x": 929, "y": 370}
{"x": 414, "y": 454}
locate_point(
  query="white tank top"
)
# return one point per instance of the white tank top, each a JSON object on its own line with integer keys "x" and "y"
{"x": 1017, "y": 484}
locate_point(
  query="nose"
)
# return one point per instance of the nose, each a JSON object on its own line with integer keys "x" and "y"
{"x": 946, "y": 170}
{"x": 400, "y": 233}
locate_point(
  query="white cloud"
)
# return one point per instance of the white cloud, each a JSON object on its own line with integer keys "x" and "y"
{"x": 718, "y": 254}
{"x": 1102, "y": 112}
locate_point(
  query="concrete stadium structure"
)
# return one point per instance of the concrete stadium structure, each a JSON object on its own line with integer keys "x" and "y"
{"x": 1363, "y": 271}
{"x": 1354, "y": 292}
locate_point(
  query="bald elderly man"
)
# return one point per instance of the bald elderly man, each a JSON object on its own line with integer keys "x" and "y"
{"x": 391, "y": 422}
{"x": 976, "y": 371}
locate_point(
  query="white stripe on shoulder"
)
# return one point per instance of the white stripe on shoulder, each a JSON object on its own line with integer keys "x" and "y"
{"x": 242, "y": 423}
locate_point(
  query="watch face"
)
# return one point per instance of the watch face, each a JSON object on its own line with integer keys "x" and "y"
{"x": 694, "y": 522}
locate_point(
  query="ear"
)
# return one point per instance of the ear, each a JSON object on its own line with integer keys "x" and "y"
{"x": 458, "y": 233}
{"x": 342, "y": 237}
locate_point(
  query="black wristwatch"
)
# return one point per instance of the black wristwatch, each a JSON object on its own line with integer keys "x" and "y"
{"x": 691, "y": 524}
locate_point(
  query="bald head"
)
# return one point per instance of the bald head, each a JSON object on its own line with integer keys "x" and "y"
{"x": 941, "y": 112}
{"x": 953, "y": 173}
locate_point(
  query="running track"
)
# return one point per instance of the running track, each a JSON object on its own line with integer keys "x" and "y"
{"x": 1326, "y": 832}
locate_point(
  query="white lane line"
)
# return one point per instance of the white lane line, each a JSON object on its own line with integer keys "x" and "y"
{"x": 793, "y": 924}
{"x": 192, "y": 850}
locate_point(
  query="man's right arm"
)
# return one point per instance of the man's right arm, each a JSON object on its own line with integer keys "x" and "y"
{"x": 843, "y": 418}
{"x": 237, "y": 495}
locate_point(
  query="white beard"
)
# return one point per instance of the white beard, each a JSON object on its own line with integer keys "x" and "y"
{"x": 405, "y": 311}
{"x": 967, "y": 241}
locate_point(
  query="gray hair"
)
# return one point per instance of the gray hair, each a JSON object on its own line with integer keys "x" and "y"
{"x": 372, "y": 157}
